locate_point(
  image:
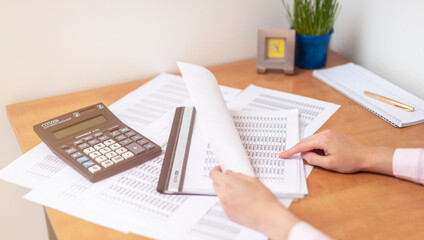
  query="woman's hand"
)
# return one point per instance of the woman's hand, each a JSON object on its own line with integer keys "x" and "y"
{"x": 334, "y": 151}
{"x": 247, "y": 201}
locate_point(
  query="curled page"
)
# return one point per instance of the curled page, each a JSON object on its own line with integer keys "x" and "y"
{"x": 212, "y": 110}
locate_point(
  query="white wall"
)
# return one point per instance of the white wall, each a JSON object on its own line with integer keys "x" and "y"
{"x": 386, "y": 37}
{"x": 51, "y": 47}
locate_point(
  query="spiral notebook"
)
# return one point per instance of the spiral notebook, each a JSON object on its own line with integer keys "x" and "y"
{"x": 352, "y": 80}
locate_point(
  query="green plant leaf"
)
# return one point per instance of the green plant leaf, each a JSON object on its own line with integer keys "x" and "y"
{"x": 313, "y": 17}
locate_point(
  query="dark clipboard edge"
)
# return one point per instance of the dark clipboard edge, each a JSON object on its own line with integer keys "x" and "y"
{"x": 170, "y": 152}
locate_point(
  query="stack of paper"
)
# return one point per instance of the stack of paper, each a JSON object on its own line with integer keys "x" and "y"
{"x": 247, "y": 142}
{"x": 130, "y": 197}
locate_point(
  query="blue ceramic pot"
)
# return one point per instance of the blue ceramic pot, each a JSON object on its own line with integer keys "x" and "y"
{"x": 311, "y": 51}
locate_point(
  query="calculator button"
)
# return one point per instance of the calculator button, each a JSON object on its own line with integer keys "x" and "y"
{"x": 117, "y": 159}
{"x": 136, "y": 137}
{"x": 76, "y": 143}
{"x": 98, "y": 146}
{"x": 114, "y": 146}
{"x": 126, "y": 142}
{"x": 127, "y": 155}
{"x": 100, "y": 159}
{"x": 120, "y": 137}
{"x": 103, "y": 138}
{"x": 89, "y": 150}
{"x": 111, "y": 154}
{"x": 97, "y": 134}
{"x": 107, "y": 163}
{"x": 142, "y": 141}
{"x": 94, "y": 168}
{"x": 76, "y": 155}
{"x": 124, "y": 129}
{"x": 88, "y": 164}
{"x": 82, "y": 159}
{"x": 109, "y": 142}
{"x": 112, "y": 129}
{"x": 149, "y": 145}
{"x": 135, "y": 148}
{"x": 104, "y": 150}
{"x": 88, "y": 138}
{"x": 93, "y": 142}
{"x": 115, "y": 133}
{"x": 121, "y": 150}
{"x": 84, "y": 145}
{"x": 130, "y": 134}
{"x": 70, "y": 150}
{"x": 94, "y": 154}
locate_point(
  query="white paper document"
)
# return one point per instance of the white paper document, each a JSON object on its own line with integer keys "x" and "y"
{"x": 213, "y": 224}
{"x": 151, "y": 101}
{"x": 312, "y": 113}
{"x": 248, "y": 143}
{"x": 63, "y": 192}
{"x": 129, "y": 202}
{"x": 263, "y": 135}
{"x": 212, "y": 110}
{"x": 33, "y": 168}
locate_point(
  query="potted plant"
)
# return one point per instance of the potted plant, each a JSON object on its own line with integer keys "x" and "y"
{"x": 313, "y": 21}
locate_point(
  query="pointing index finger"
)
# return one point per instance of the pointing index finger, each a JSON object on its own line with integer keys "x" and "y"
{"x": 305, "y": 145}
{"x": 216, "y": 174}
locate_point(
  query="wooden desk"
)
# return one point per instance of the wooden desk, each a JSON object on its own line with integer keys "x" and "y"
{"x": 344, "y": 206}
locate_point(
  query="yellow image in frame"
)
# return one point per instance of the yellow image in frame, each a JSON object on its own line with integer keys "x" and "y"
{"x": 276, "y": 47}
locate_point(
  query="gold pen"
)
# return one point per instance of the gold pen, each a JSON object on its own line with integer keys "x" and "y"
{"x": 392, "y": 102}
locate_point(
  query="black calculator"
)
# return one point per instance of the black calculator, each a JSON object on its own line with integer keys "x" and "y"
{"x": 95, "y": 142}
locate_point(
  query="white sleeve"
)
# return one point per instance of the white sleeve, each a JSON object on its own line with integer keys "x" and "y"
{"x": 304, "y": 231}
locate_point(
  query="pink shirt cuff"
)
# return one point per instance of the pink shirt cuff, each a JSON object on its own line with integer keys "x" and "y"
{"x": 408, "y": 163}
{"x": 302, "y": 230}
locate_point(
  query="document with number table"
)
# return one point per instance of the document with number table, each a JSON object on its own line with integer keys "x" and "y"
{"x": 246, "y": 142}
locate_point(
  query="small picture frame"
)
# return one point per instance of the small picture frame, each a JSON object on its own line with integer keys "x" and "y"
{"x": 275, "y": 50}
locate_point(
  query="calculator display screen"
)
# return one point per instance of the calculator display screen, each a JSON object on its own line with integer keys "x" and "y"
{"x": 64, "y": 132}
